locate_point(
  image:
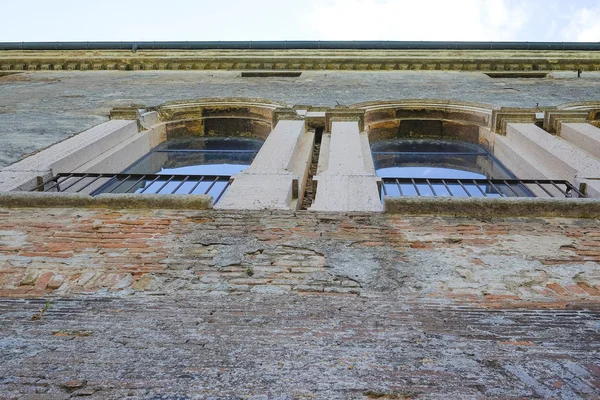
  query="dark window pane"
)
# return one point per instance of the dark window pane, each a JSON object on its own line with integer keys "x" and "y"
{"x": 440, "y": 159}
{"x": 426, "y": 146}
{"x": 211, "y": 143}
{"x": 199, "y": 156}
{"x": 192, "y": 163}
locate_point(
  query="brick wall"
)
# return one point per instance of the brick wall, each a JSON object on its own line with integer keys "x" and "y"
{"x": 212, "y": 304}
{"x": 73, "y": 251}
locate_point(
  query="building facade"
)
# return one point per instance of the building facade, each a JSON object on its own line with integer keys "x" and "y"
{"x": 300, "y": 223}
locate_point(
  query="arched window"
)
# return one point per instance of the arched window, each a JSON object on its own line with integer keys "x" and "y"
{"x": 437, "y": 167}
{"x": 213, "y": 158}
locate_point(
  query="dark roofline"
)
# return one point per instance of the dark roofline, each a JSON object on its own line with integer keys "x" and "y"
{"x": 301, "y": 45}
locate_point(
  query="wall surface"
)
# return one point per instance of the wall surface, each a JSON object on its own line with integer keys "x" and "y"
{"x": 38, "y": 109}
{"x": 216, "y": 304}
{"x": 83, "y": 251}
{"x": 189, "y": 304}
{"x": 294, "y": 347}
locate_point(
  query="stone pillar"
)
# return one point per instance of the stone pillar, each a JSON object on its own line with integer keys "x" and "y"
{"x": 532, "y": 153}
{"x": 275, "y": 179}
{"x": 71, "y": 155}
{"x": 586, "y": 137}
{"x": 346, "y": 179}
{"x": 583, "y": 135}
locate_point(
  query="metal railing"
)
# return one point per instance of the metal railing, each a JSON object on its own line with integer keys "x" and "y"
{"x": 435, "y": 187}
{"x": 96, "y": 183}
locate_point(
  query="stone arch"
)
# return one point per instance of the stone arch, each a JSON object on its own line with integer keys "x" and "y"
{"x": 219, "y": 117}
{"x": 592, "y": 107}
{"x": 425, "y": 118}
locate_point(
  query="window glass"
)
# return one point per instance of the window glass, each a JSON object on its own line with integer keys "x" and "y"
{"x": 217, "y": 158}
{"x": 199, "y": 156}
{"x": 440, "y": 159}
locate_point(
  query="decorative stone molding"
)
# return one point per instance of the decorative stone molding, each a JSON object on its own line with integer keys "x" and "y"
{"x": 340, "y": 114}
{"x": 299, "y": 60}
{"x": 501, "y": 117}
{"x": 285, "y": 113}
{"x": 230, "y": 116}
{"x": 127, "y": 113}
{"x": 553, "y": 119}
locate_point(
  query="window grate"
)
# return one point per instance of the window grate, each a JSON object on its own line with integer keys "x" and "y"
{"x": 96, "y": 183}
{"x": 437, "y": 187}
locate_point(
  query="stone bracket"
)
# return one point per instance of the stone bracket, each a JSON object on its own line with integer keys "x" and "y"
{"x": 129, "y": 113}
{"x": 553, "y": 119}
{"x": 345, "y": 114}
{"x": 501, "y": 117}
{"x": 285, "y": 113}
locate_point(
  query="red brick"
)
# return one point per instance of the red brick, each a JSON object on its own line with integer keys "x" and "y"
{"x": 592, "y": 291}
{"x": 43, "y": 280}
{"x": 558, "y": 289}
{"x": 575, "y": 290}
{"x": 420, "y": 245}
{"x": 45, "y": 254}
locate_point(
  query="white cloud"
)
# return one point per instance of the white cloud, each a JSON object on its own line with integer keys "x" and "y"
{"x": 419, "y": 20}
{"x": 584, "y": 25}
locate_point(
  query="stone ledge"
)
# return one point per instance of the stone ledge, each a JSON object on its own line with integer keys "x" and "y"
{"x": 301, "y": 60}
{"x": 493, "y": 208}
{"x": 116, "y": 201}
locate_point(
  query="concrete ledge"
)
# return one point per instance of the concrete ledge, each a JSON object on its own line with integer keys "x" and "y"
{"x": 117, "y": 201}
{"x": 493, "y": 208}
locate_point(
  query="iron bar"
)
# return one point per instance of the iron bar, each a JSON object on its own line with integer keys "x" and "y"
{"x": 573, "y": 188}
{"x": 544, "y": 189}
{"x": 478, "y": 187}
{"x": 196, "y": 185}
{"x": 64, "y": 189}
{"x": 184, "y": 180}
{"x": 136, "y": 182}
{"x": 211, "y": 185}
{"x": 122, "y": 182}
{"x": 447, "y": 188}
{"x": 399, "y": 188}
{"x": 41, "y": 183}
{"x": 416, "y": 188}
{"x": 89, "y": 183}
{"x": 516, "y": 187}
{"x": 559, "y": 189}
{"x": 165, "y": 184}
{"x": 511, "y": 189}
{"x": 464, "y": 188}
{"x": 431, "y": 187}
{"x": 222, "y": 192}
{"x": 496, "y": 189}
{"x": 151, "y": 183}
{"x": 58, "y": 182}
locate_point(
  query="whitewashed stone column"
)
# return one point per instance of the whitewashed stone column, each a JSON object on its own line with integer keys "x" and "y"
{"x": 275, "y": 179}
{"x": 532, "y": 153}
{"x": 346, "y": 179}
{"x": 75, "y": 153}
{"x": 583, "y": 135}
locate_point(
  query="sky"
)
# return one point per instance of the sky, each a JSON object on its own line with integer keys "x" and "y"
{"x": 153, "y": 20}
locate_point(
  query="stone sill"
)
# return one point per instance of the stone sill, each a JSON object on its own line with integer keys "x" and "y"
{"x": 116, "y": 201}
{"x": 480, "y": 207}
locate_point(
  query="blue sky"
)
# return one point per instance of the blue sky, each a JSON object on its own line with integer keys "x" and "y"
{"x": 92, "y": 20}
